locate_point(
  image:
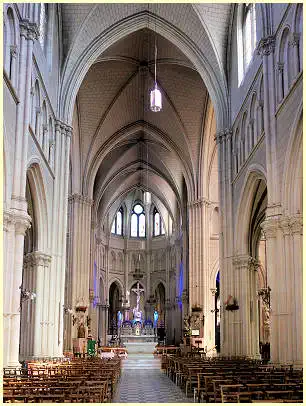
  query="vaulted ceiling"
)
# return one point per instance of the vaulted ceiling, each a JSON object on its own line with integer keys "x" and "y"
{"x": 120, "y": 144}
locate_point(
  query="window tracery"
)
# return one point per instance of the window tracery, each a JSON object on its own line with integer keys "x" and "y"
{"x": 138, "y": 221}
{"x": 158, "y": 225}
{"x": 117, "y": 227}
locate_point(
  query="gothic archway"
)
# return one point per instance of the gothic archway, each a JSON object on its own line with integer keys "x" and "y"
{"x": 115, "y": 304}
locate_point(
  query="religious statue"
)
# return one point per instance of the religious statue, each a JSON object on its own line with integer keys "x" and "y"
{"x": 119, "y": 318}
{"x": 137, "y": 313}
{"x": 155, "y": 317}
{"x": 81, "y": 331}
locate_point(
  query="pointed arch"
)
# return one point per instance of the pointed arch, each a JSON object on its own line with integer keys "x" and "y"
{"x": 292, "y": 187}
{"x": 40, "y": 207}
{"x": 254, "y": 173}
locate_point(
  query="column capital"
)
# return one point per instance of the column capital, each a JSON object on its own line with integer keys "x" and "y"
{"x": 246, "y": 261}
{"x": 38, "y": 258}
{"x": 29, "y": 30}
{"x": 296, "y": 224}
{"x": 77, "y": 198}
{"x": 199, "y": 202}
{"x": 185, "y": 297}
{"x": 223, "y": 135}
{"x": 20, "y": 219}
{"x": 13, "y": 50}
{"x": 213, "y": 291}
{"x": 295, "y": 39}
{"x": 266, "y": 46}
{"x": 270, "y": 225}
{"x": 279, "y": 67}
{"x": 64, "y": 128}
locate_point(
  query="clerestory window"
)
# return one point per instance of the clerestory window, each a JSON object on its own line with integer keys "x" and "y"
{"x": 246, "y": 37}
{"x": 117, "y": 227}
{"x": 158, "y": 226}
{"x": 138, "y": 221}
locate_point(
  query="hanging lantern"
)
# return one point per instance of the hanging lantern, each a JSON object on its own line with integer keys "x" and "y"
{"x": 147, "y": 198}
{"x": 155, "y": 99}
{"x": 155, "y": 94}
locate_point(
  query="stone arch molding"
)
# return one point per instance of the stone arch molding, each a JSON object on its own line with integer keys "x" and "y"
{"x": 119, "y": 284}
{"x": 156, "y": 283}
{"x": 291, "y": 183}
{"x": 255, "y": 172}
{"x": 38, "y": 192}
{"x": 77, "y": 66}
{"x": 213, "y": 273}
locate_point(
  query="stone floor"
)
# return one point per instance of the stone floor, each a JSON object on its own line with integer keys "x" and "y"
{"x": 142, "y": 381}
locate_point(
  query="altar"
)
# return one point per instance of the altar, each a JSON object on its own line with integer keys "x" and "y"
{"x": 137, "y": 335}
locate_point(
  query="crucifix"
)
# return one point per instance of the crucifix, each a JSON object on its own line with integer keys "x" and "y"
{"x": 138, "y": 292}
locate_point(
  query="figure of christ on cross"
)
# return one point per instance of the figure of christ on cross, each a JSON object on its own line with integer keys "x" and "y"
{"x": 136, "y": 312}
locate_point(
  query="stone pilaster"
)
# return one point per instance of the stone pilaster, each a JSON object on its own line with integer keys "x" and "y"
{"x": 80, "y": 246}
{"x": 294, "y": 43}
{"x": 15, "y": 226}
{"x": 265, "y": 48}
{"x": 283, "y": 238}
{"x": 243, "y": 323}
{"x": 58, "y": 266}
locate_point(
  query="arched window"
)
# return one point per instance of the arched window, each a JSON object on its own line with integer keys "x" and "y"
{"x": 158, "y": 226}
{"x": 43, "y": 21}
{"x": 117, "y": 227}
{"x": 138, "y": 221}
{"x": 10, "y": 53}
{"x": 246, "y": 36}
{"x": 248, "y": 32}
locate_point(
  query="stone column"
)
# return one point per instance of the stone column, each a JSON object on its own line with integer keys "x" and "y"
{"x": 39, "y": 323}
{"x": 47, "y": 323}
{"x": 266, "y": 48}
{"x": 107, "y": 261}
{"x": 15, "y": 226}
{"x": 244, "y": 321}
{"x": 13, "y": 62}
{"x": 44, "y": 142}
{"x": 283, "y": 236}
{"x": 28, "y": 33}
{"x": 294, "y": 43}
{"x": 280, "y": 81}
{"x": 260, "y": 118}
{"x": 296, "y": 226}
{"x": 80, "y": 247}
{"x": 58, "y": 244}
{"x": 167, "y": 298}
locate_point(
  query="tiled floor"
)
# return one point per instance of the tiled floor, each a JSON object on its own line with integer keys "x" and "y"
{"x": 142, "y": 381}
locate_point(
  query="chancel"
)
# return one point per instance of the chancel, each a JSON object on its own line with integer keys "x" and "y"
{"x": 152, "y": 201}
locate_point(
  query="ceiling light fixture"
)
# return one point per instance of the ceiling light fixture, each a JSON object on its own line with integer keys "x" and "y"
{"x": 155, "y": 94}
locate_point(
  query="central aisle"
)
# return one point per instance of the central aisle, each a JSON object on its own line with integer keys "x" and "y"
{"x": 142, "y": 381}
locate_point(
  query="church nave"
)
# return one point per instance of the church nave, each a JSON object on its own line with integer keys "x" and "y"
{"x": 143, "y": 381}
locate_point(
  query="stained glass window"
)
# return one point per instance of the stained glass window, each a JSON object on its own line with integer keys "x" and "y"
{"x": 134, "y": 224}
{"x": 142, "y": 225}
{"x": 117, "y": 227}
{"x": 156, "y": 224}
{"x": 138, "y": 221}
{"x": 158, "y": 227}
